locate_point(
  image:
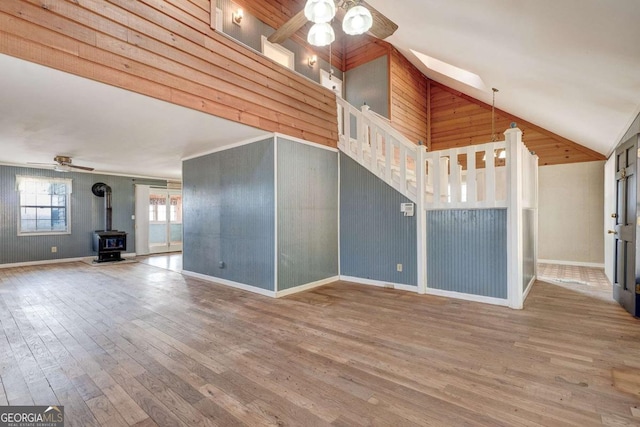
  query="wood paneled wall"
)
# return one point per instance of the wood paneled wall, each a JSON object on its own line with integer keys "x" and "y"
{"x": 362, "y": 49}
{"x": 459, "y": 120}
{"x": 408, "y": 104}
{"x": 407, "y": 85}
{"x": 167, "y": 50}
{"x": 276, "y": 12}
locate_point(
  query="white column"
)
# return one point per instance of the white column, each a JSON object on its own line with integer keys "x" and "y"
{"x": 421, "y": 217}
{"x": 515, "y": 251}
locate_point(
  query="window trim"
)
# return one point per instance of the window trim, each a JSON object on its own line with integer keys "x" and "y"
{"x": 291, "y": 57}
{"x": 20, "y": 179}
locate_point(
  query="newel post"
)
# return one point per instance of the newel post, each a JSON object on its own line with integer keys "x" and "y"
{"x": 421, "y": 217}
{"x": 515, "y": 251}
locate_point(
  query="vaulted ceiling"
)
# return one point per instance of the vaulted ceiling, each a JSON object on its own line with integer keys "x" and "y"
{"x": 567, "y": 68}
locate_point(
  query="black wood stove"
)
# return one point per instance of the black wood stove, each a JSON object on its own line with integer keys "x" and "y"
{"x": 108, "y": 243}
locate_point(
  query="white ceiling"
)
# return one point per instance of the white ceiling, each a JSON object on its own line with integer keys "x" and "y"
{"x": 570, "y": 66}
{"x": 45, "y": 112}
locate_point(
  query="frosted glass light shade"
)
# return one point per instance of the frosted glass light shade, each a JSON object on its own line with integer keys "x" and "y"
{"x": 321, "y": 35}
{"x": 320, "y": 11}
{"x": 357, "y": 20}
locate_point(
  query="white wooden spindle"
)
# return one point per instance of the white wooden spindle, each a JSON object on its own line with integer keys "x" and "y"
{"x": 472, "y": 193}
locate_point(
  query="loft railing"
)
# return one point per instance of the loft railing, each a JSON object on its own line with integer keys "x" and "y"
{"x": 468, "y": 177}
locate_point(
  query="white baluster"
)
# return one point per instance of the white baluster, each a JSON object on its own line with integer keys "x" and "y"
{"x": 472, "y": 194}
{"x": 490, "y": 176}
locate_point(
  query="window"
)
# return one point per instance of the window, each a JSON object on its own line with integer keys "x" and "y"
{"x": 278, "y": 53}
{"x": 44, "y": 205}
{"x": 157, "y": 208}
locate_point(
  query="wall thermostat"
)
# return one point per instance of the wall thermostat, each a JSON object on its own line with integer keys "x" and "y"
{"x": 407, "y": 209}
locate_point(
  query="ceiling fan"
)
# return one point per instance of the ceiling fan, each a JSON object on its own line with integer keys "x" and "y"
{"x": 63, "y": 164}
{"x": 357, "y": 17}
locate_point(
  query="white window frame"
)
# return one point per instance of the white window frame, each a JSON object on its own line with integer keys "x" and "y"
{"x": 219, "y": 23}
{"x": 20, "y": 186}
{"x": 270, "y": 49}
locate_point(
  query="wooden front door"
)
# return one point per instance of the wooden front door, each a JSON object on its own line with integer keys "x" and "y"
{"x": 624, "y": 286}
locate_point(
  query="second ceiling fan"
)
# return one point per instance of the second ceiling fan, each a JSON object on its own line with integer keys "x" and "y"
{"x": 357, "y": 17}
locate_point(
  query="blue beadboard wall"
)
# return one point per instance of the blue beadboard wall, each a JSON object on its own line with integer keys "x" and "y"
{"x": 374, "y": 234}
{"x": 467, "y": 251}
{"x": 228, "y": 214}
{"x": 307, "y": 214}
{"x": 87, "y": 215}
{"x": 251, "y": 30}
{"x": 369, "y": 83}
{"x": 528, "y": 260}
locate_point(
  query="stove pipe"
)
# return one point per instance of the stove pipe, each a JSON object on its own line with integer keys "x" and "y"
{"x": 101, "y": 189}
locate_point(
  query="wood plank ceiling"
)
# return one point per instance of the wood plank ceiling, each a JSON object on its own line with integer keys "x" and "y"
{"x": 423, "y": 109}
{"x": 458, "y": 120}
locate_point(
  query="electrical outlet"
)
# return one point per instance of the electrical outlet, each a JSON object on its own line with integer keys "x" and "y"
{"x": 399, "y": 267}
{"x": 54, "y": 249}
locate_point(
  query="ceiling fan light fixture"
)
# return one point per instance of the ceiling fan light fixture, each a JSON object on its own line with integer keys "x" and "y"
{"x": 357, "y": 20}
{"x": 62, "y": 168}
{"x": 321, "y": 35}
{"x": 320, "y": 11}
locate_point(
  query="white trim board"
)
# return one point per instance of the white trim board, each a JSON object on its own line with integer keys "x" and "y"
{"x": 264, "y": 137}
{"x": 571, "y": 263}
{"x": 307, "y": 287}
{"x": 276, "y": 218}
{"x": 229, "y": 283}
{"x": 260, "y": 291}
{"x": 58, "y": 261}
{"x": 468, "y": 297}
{"x": 529, "y": 286}
{"x": 379, "y": 283}
{"x": 304, "y": 142}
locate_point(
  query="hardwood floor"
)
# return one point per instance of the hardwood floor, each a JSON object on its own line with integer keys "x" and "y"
{"x": 137, "y": 345}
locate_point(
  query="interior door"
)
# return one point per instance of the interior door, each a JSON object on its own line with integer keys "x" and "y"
{"x": 609, "y": 217}
{"x": 165, "y": 220}
{"x": 624, "y": 286}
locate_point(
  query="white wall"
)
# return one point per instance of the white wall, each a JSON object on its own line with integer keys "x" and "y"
{"x": 571, "y": 213}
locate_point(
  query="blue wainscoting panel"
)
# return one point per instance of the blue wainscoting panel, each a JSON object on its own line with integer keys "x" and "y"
{"x": 374, "y": 234}
{"x": 467, "y": 251}
{"x": 307, "y": 214}
{"x": 228, "y": 214}
{"x": 86, "y": 210}
{"x": 528, "y": 233}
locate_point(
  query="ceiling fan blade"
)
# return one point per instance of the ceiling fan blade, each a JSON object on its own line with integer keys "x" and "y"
{"x": 289, "y": 28}
{"x": 84, "y": 168}
{"x": 382, "y": 27}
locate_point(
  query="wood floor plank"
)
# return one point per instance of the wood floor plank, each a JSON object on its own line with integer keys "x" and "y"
{"x": 137, "y": 345}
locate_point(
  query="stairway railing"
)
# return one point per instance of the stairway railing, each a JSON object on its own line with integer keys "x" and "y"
{"x": 372, "y": 142}
{"x": 456, "y": 178}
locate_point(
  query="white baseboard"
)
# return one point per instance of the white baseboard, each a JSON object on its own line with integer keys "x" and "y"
{"x": 306, "y": 287}
{"x": 261, "y": 291}
{"x": 58, "y": 261}
{"x": 379, "y": 283}
{"x": 230, "y": 283}
{"x": 529, "y": 286}
{"x": 468, "y": 297}
{"x": 571, "y": 263}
